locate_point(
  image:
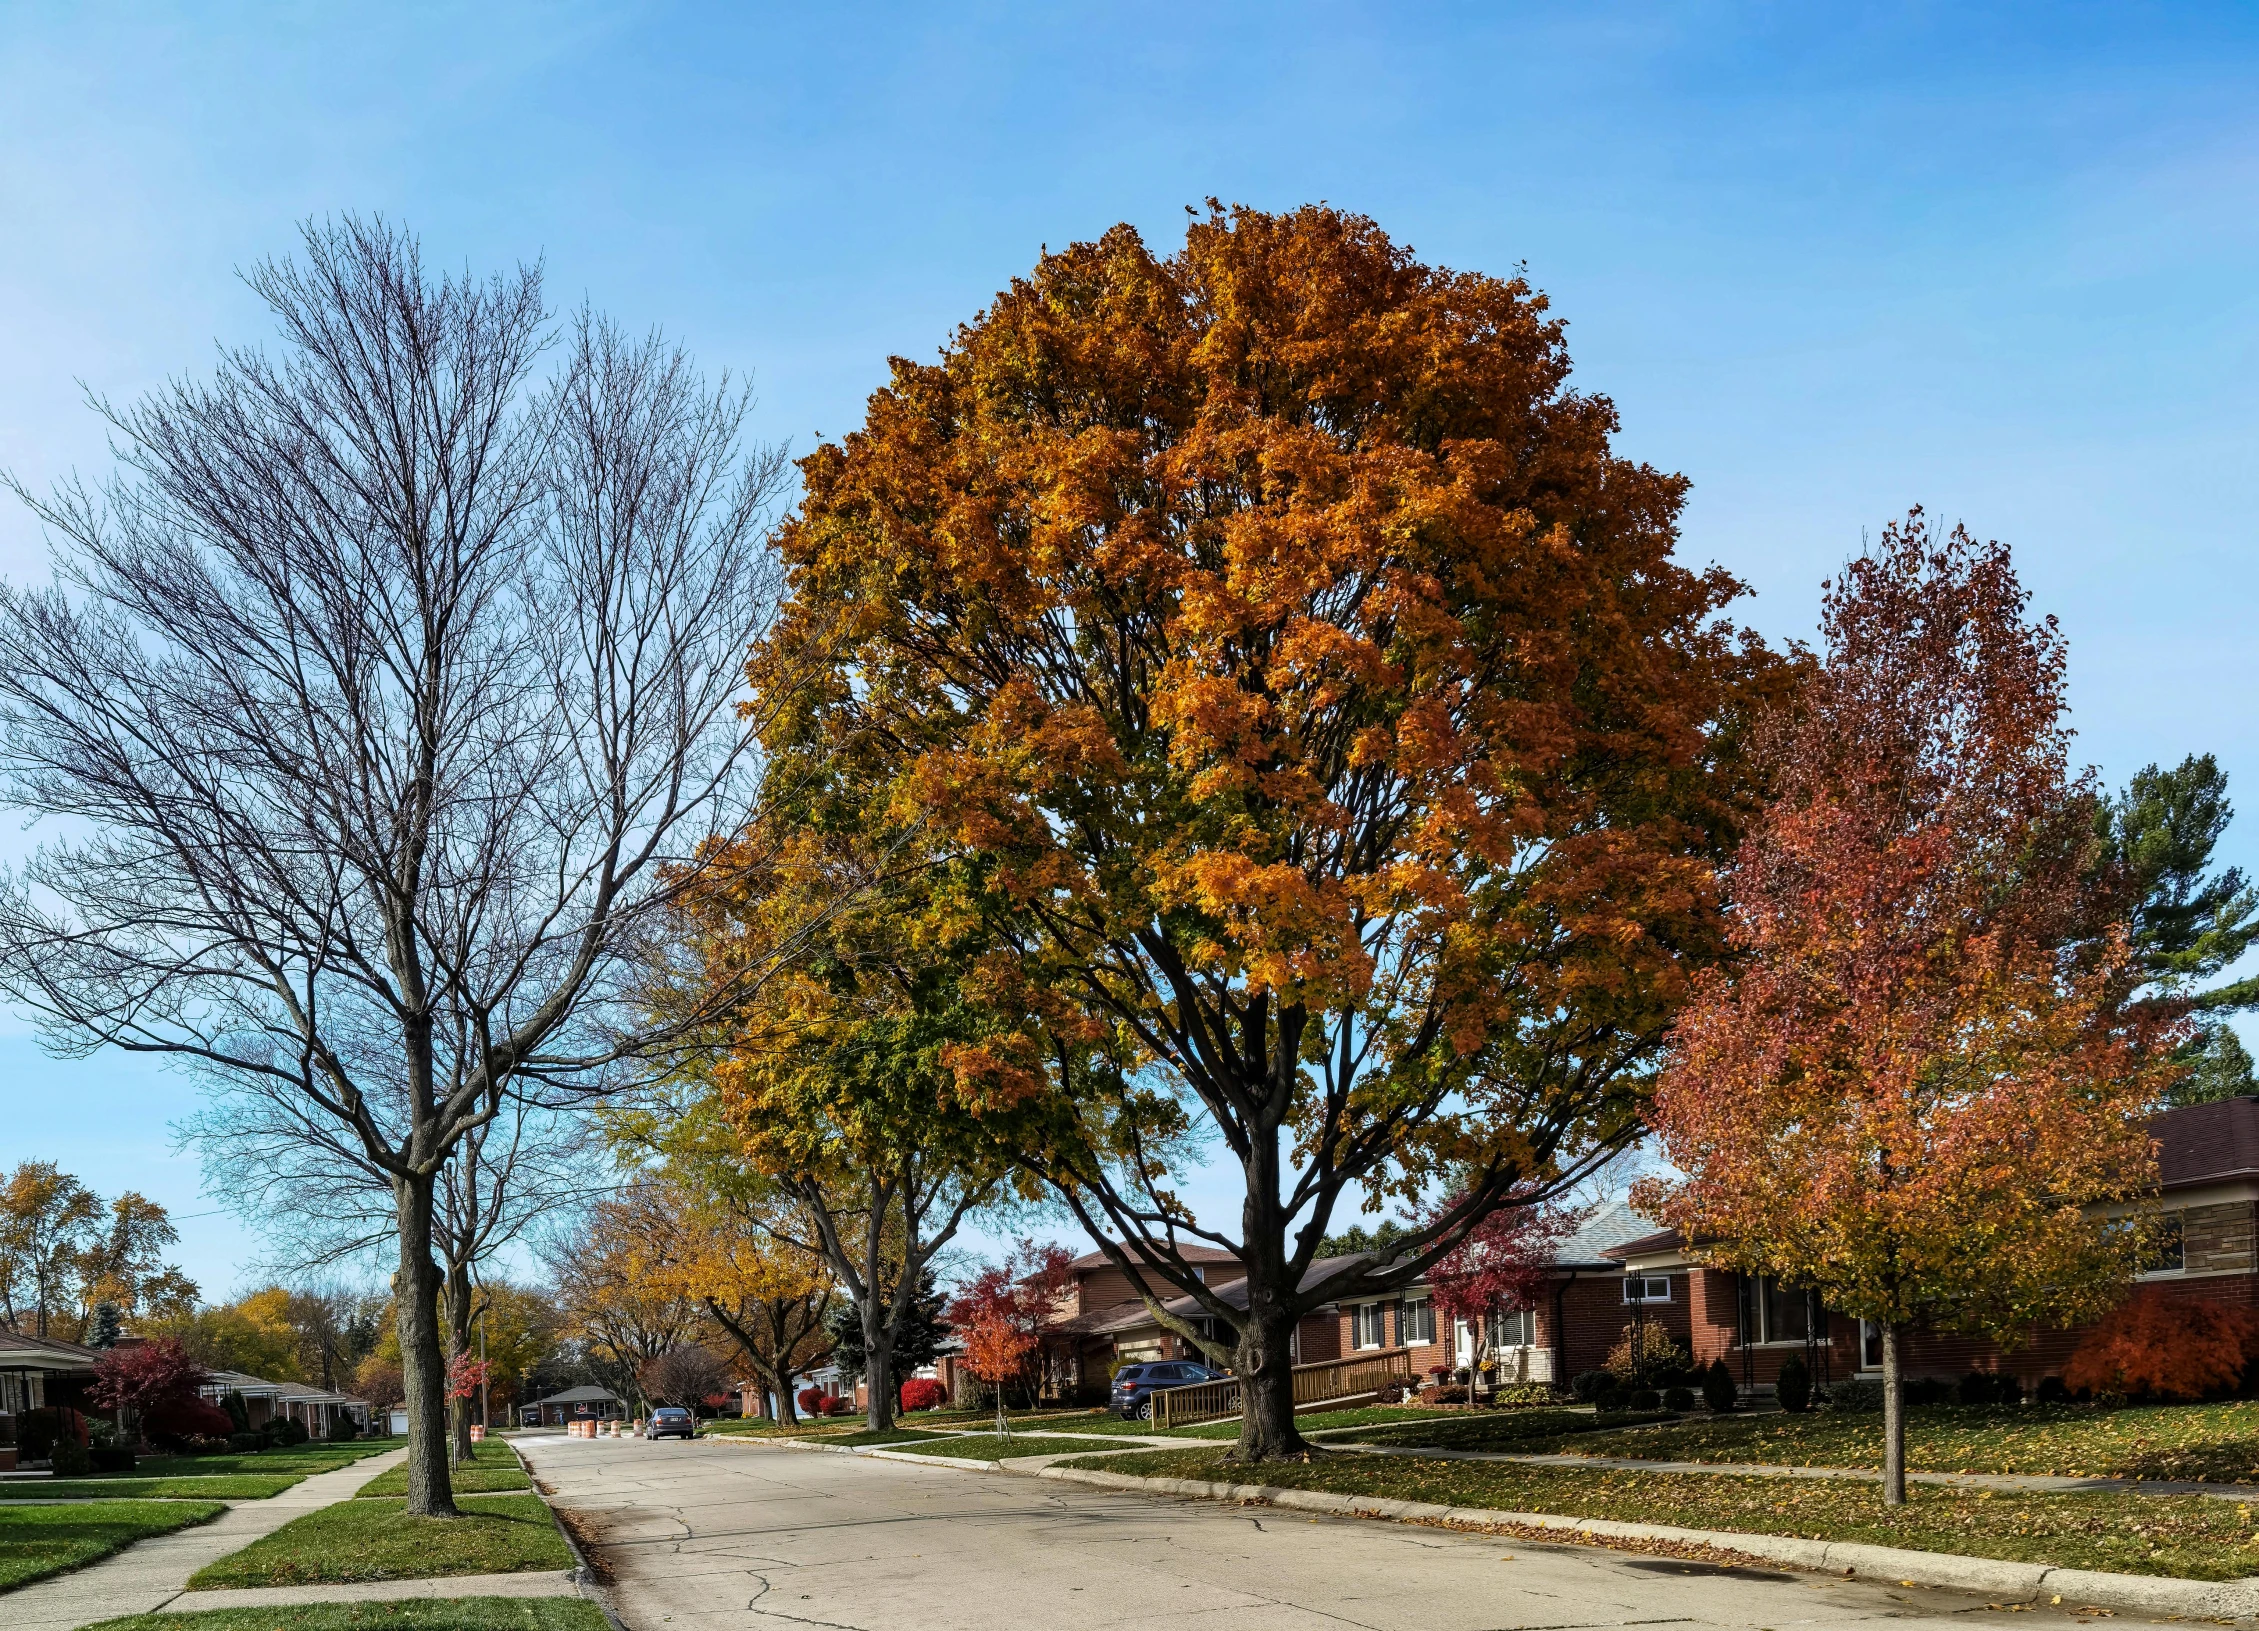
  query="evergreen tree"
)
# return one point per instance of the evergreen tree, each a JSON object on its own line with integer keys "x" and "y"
{"x": 917, "y": 1342}
{"x": 109, "y": 1325}
{"x": 2220, "y": 1068}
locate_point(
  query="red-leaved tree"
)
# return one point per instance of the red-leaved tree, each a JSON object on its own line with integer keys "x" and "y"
{"x": 1925, "y": 1085}
{"x": 1001, "y": 1312}
{"x": 1502, "y": 1265}
{"x": 147, "y": 1377}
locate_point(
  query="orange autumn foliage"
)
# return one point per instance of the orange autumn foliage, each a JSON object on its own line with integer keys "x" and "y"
{"x": 2161, "y": 1347}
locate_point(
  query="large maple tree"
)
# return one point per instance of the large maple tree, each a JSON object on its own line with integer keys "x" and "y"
{"x": 1924, "y": 1088}
{"x": 1304, "y": 701}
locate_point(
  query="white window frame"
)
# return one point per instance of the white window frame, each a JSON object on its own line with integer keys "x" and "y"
{"x": 1407, "y": 1321}
{"x": 1517, "y": 1315}
{"x": 1359, "y": 1315}
{"x": 1647, "y": 1284}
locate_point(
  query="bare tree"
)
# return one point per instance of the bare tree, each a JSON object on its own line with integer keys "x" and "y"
{"x": 393, "y": 687}
{"x": 302, "y": 1181}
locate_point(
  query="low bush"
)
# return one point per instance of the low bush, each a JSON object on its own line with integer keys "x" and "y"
{"x": 1860, "y": 1393}
{"x": 1450, "y": 1393}
{"x": 70, "y": 1458}
{"x": 1718, "y": 1390}
{"x": 246, "y": 1443}
{"x": 1792, "y": 1388}
{"x": 832, "y": 1405}
{"x": 1929, "y": 1390}
{"x": 923, "y": 1393}
{"x": 1646, "y": 1399}
{"x": 174, "y": 1423}
{"x": 1680, "y": 1398}
{"x": 810, "y": 1400}
{"x": 1523, "y": 1395}
{"x": 1589, "y": 1385}
{"x": 2161, "y": 1347}
{"x": 343, "y": 1430}
{"x": 2052, "y": 1391}
{"x": 1646, "y": 1355}
{"x": 39, "y": 1431}
{"x": 111, "y": 1457}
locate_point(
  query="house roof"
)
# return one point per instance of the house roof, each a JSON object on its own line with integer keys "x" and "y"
{"x": 19, "y": 1352}
{"x": 1600, "y": 1239}
{"x": 586, "y": 1393}
{"x": 2205, "y": 1143}
{"x": 1191, "y": 1254}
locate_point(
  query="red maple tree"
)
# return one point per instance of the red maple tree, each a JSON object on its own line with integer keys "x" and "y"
{"x": 1925, "y": 1085}
{"x": 1001, "y": 1312}
{"x": 1501, "y": 1265}
{"x": 2165, "y": 1348}
{"x": 147, "y": 1376}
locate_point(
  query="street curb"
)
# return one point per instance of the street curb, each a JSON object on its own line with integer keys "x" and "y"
{"x": 1990, "y": 1577}
{"x": 584, "y": 1573}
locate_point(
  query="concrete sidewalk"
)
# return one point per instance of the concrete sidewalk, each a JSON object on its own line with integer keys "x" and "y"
{"x": 149, "y": 1574}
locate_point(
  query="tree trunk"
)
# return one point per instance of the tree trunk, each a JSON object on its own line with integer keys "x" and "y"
{"x": 878, "y": 1368}
{"x": 788, "y": 1410}
{"x": 458, "y": 1344}
{"x": 1894, "y": 1421}
{"x": 423, "y": 1370}
{"x": 1266, "y": 1388}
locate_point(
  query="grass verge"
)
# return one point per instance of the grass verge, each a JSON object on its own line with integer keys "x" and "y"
{"x": 2192, "y": 1536}
{"x": 492, "y": 1467}
{"x": 420, "y": 1614}
{"x": 2211, "y": 1442}
{"x": 37, "y": 1541}
{"x": 1534, "y": 1431}
{"x": 377, "y": 1540}
{"x": 241, "y": 1487}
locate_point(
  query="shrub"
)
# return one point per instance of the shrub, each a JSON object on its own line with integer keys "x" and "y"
{"x": 1978, "y": 1388}
{"x": 837, "y": 1405}
{"x": 1646, "y": 1398}
{"x": 1860, "y": 1393}
{"x": 1644, "y": 1354}
{"x": 70, "y": 1458}
{"x": 1792, "y": 1388}
{"x": 1680, "y": 1398}
{"x": 1718, "y": 1390}
{"x": 2052, "y": 1391}
{"x": 237, "y": 1411}
{"x": 1516, "y": 1395}
{"x": 1454, "y": 1393}
{"x": 292, "y": 1431}
{"x": 343, "y": 1429}
{"x": 1923, "y": 1390}
{"x": 246, "y": 1443}
{"x": 1589, "y": 1385}
{"x": 2166, "y": 1348}
{"x": 39, "y": 1431}
{"x": 923, "y": 1393}
{"x": 810, "y": 1400}
{"x": 111, "y": 1457}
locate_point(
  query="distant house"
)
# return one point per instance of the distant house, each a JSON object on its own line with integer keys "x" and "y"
{"x": 264, "y": 1401}
{"x": 39, "y": 1371}
{"x": 584, "y": 1403}
{"x": 2208, "y": 1167}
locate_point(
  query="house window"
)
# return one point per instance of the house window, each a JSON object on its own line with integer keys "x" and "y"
{"x": 1647, "y": 1288}
{"x": 2168, "y": 1253}
{"x": 1517, "y": 1328}
{"x": 1415, "y": 1322}
{"x": 1368, "y": 1325}
{"x": 1778, "y": 1313}
{"x": 1870, "y": 1344}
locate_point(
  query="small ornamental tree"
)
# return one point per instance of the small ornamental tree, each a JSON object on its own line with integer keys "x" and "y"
{"x": 1501, "y": 1265}
{"x": 1927, "y": 1080}
{"x": 148, "y": 1377}
{"x": 1001, "y": 1312}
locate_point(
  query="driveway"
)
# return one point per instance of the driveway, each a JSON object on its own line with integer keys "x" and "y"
{"x": 720, "y": 1535}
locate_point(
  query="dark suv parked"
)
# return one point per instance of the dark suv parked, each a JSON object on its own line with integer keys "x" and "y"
{"x": 671, "y": 1421}
{"x": 1135, "y": 1385}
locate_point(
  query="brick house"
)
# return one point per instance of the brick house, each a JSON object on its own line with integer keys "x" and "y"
{"x": 2208, "y": 1170}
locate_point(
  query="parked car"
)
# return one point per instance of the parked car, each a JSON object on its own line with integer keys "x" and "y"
{"x": 671, "y": 1421}
{"x": 1135, "y": 1385}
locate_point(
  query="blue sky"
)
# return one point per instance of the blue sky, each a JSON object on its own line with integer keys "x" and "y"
{"x": 1828, "y": 261}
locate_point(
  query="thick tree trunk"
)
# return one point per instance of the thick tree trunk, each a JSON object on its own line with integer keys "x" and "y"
{"x": 458, "y": 1343}
{"x": 1894, "y": 1421}
{"x": 423, "y": 1369}
{"x": 878, "y": 1368}
{"x": 1266, "y": 1389}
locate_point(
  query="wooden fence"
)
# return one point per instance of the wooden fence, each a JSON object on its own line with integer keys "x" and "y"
{"x": 1357, "y": 1377}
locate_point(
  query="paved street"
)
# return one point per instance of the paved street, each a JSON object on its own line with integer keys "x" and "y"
{"x": 714, "y": 1534}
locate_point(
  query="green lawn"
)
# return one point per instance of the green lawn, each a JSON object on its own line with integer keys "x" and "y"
{"x": 893, "y": 1435}
{"x": 1533, "y": 1431}
{"x": 299, "y": 1461}
{"x": 1317, "y": 1421}
{"x": 421, "y": 1614}
{"x": 241, "y": 1487}
{"x": 37, "y": 1541}
{"x": 2195, "y": 1536}
{"x": 2216, "y": 1442}
{"x": 377, "y": 1540}
{"x": 989, "y": 1447}
{"x": 492, "y": 1467}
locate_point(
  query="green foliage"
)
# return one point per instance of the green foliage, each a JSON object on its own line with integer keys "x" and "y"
{"x": 237, "y": 1411}
{"x": 2188, "y": 926}
{"x": 1376, "y": 1240}
{"x": 1793, "y": 1387}
{"x": 2219, "y": 1067}
{"x": 917, "y": 1339}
